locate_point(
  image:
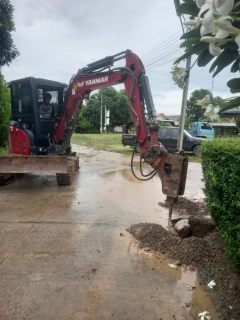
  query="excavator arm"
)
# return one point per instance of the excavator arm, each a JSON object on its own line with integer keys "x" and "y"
{"x": 171, "y": 167}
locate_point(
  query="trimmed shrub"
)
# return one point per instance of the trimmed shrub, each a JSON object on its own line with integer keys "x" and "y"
{"x": 221, "y": 175}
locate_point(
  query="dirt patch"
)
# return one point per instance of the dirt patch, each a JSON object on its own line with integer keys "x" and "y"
{"x": 206, "y": 254}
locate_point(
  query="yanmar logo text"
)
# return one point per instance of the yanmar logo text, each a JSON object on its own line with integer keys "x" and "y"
{"x": 92, "y": 81}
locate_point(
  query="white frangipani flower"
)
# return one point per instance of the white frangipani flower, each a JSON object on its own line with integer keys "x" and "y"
{"x": 224, "y": 27}
{"x": 237, "y": 40}
{"x": 219, "y": 7}
{"x": 204, "y": 315}
{"x": 211, "y": 284}
{"x": 215, "y": 51}
{"x": 222, "y": 7}
{"x": 179, "y": 76}
{"x": 215, "y": 40}
{"x": 200, "y": 3}
{"x": 204, "y": 30}
{"x": 193, "y": 23}
{"x": 220, "y": 27}
{"x": 204, "y": 102}
{"x": 212, "y": 112}
{"x": 209, "y": 108}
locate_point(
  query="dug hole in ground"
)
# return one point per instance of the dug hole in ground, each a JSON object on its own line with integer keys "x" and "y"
{"x": 66, "y": 253}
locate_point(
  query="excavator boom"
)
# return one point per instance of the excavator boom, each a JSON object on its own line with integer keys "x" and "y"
{"x": 31, "y": 139}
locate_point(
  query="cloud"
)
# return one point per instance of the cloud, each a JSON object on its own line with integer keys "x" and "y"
{"x": 56, "y": 38}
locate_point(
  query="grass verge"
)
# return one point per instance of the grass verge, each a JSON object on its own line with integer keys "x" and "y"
{"x": 4, "y": 151}
{"x": 105, "y": 142}
{"x": 111, "y": 143}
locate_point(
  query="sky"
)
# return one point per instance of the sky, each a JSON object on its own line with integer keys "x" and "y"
{"x": 56, "y": 38}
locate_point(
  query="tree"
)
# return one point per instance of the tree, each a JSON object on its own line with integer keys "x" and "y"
{"x": 4, "y": 111}
{"x": 116, "y": 102}
{"x": 193, "y": 111}
{"x": 8, "y": 51}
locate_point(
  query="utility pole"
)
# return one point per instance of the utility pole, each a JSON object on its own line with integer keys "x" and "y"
{"x": 107, "y": 117}
{"x": 105, "y": 122}
{"x": 101, "y": 115}
{"x": 185, "y": 90}
{"x": 183, "y": 109}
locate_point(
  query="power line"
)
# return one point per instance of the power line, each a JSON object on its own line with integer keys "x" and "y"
{"x": 161, "y": 64}
{"x": 164, "y": 54}
{"x": 150, "y": 58}
{"x": 160, "y": 45}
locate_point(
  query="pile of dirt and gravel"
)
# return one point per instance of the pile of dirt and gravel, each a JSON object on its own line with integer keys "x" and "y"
{"x": 203, "y": 253}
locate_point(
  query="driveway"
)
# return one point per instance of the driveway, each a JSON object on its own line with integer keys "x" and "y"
{"x": 65, "y": 252}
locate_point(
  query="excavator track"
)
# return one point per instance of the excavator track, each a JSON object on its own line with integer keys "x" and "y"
{"x": 66, "y": 179}
{"x": 6, "y": 178}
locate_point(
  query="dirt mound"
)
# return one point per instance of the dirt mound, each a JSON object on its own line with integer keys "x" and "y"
{"x": 191, "y": 250}
{"x": 206, "y": 254}
{"x": 184, "y": 206}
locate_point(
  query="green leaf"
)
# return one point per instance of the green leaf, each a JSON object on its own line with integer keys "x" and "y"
{"x": 188, "y": 8}
{"x": 227, "y": 59}
{"x": 190, "y": 42}
{"x": 232, "y": 103}
{"x": 234, "y": 85}
{"x": 204, "y": 58}
{"x": 219, "y": 59}
{"x": 233, "y": 45}
{"x": 194, "y": 33}
{"x": 235, "y": 66}
{"x": 194, "y": 50}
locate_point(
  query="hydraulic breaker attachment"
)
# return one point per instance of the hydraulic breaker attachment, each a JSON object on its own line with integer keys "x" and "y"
{"x": 171, "y": 168}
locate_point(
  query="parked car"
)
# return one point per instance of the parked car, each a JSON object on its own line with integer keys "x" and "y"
{"x": 168, "y": 136}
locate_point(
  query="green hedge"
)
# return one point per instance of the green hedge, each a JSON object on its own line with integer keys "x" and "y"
{"x": 221, "y": 175}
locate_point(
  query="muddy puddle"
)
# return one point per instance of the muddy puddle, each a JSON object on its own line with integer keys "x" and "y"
{"x": 191, "y": 295}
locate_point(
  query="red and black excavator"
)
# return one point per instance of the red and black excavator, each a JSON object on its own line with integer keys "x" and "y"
{"x": 38, "y": 144}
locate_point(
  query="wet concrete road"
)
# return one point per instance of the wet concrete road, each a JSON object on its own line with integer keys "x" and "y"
{"x": 65, "y": 252}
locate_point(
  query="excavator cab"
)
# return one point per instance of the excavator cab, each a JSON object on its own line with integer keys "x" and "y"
{"x": 31, "y": 143}
{"x": 29, "y": 132}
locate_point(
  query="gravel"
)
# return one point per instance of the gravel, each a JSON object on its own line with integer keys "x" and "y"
{"x": 204, "y": 252}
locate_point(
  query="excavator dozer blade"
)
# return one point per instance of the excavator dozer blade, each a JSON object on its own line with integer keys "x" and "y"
{"x": 33, "y": 164}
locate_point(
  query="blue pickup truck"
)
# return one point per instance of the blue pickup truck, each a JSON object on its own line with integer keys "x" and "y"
{"x": 202, "y": 130}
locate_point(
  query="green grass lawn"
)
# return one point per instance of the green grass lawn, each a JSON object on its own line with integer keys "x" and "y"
{"x": 106, "y": 142}
{"x": 112, "y": 143}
